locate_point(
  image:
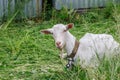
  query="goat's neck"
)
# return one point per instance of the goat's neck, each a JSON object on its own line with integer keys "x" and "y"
{"x": 70, "y": 42}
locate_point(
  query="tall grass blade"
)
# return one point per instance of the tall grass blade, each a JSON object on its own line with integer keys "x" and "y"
{"x": 10, "y": 20}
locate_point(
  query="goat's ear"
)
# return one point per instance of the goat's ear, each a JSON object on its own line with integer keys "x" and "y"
{"x": 47, "y": 31}
{"x": 69, "y": 26}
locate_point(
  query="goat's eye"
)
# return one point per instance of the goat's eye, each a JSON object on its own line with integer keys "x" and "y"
{"x": 64, "y": 30}
{"x": 51, "y": 32}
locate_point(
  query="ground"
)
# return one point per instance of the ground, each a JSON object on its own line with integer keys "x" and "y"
{"x": 26, "y": 54}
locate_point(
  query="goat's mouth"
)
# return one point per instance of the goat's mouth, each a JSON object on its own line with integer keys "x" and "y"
{"x": 60, "y": 47}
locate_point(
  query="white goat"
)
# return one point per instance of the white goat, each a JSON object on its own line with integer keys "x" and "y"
{"x": 89, "y": 48}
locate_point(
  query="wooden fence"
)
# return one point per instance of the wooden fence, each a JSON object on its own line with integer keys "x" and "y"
{"x": 33, "y": 8}
{"x": 30, "y": 8}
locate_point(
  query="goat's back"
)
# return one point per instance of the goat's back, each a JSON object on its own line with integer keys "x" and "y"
{"x": 101, "y": 43}
{"x": 96, "y": 45}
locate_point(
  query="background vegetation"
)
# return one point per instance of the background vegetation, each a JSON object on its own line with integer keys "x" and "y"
{"x": 25, "y": 54}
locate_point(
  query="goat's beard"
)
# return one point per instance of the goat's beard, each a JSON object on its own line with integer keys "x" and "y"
{"x": 60, "y": 49}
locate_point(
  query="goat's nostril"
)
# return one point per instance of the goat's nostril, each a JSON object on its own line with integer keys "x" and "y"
{"x": 58, "y": 43}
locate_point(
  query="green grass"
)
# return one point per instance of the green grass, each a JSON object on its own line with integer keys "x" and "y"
{"x": 26, "y": 54}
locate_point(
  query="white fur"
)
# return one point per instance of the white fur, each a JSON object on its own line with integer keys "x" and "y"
{"x": 92, "y": 46}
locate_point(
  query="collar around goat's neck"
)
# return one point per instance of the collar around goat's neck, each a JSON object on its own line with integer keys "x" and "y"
{"x": 74, "y": 51}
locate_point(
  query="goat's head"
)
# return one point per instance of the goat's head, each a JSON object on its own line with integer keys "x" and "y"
{"x": 59, "y": 32}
